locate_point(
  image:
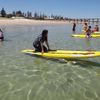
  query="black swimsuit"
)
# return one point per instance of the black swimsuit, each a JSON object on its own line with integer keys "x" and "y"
{"x": 37, "y": 43}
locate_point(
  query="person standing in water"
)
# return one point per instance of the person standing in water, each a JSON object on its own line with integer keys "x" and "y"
{"x": 96, "y": 28}
{"x": 41, "y": 42}
{"x": 85, "y": 27}
{"x": 88, "y": 32}
{"x": 1, "y": 35}
{"x": 74, "y": 27}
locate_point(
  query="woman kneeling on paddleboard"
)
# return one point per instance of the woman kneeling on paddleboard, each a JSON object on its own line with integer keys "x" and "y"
{"x": 38, "y": 44}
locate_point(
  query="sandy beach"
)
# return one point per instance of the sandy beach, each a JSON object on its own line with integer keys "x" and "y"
{"x": 29, "y": 22}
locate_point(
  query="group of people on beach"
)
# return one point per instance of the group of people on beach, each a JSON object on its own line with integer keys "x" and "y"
{"x": 38, "y": 44}
{"x": 86, "y": 29}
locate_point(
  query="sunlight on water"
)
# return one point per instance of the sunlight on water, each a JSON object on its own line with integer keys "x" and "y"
{"x": 24, "y": 77}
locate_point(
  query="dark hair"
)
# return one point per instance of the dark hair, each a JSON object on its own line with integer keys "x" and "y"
{"x": 89, "y": 26}
{"x": 44, "y": 33}
{"x": 0, "y": 30}
{"x": 85, "y": 23}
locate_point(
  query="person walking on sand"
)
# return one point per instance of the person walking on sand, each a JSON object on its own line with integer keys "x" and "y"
{"x": 41, "y": 42}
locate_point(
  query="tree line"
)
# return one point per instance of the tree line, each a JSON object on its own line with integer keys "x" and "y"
{"x": 29, "y": 15}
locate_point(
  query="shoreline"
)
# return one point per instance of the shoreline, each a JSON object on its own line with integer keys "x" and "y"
{"x": 22, "y": 21}
{"x": 30, "y": 22}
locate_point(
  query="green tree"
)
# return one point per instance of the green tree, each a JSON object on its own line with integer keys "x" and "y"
{"x": 3, "y": 13}
{"x": 36, "y": 15}
{"x": 29, "y": 14}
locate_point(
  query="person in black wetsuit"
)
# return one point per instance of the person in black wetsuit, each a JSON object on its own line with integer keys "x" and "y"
{"x": 41, "y": 42}
{"x": 1, "y": 35}
{"x": 74, "y": 27}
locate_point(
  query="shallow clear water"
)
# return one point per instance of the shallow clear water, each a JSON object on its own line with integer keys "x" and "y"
{"x": 24, "y": 77}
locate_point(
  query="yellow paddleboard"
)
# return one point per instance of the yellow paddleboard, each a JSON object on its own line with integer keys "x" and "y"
{"x": 85, "y": 36}
{"x": 63, "y": 54}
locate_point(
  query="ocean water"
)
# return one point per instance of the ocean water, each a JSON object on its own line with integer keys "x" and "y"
{"x": 24, "y": 77}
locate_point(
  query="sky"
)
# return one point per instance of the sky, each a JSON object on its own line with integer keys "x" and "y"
{"x": 66, "y": 8}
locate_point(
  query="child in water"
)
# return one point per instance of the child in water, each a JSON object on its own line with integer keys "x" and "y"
{"x": 88, "y": 32}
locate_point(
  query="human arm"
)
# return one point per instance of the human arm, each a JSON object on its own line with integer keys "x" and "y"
{"x": 47, "y": 45}
{"x": 42, "y": 47}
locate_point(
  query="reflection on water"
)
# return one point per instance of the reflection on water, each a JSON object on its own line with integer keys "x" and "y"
{"x": 1, "y": 44}
{"x": 24, "y": 77}
{"x": 88, "y": 44}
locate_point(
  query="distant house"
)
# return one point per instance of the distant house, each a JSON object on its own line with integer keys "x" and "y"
{"x": 9, "y": 15}
{"x": 19, "y": 14}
